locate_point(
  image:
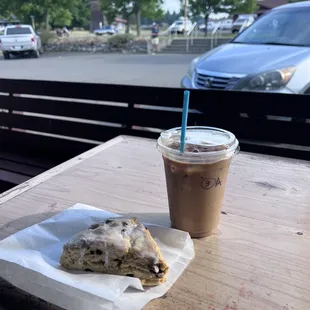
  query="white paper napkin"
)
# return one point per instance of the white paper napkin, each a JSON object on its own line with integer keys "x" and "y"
{"x": 29, "y": 260}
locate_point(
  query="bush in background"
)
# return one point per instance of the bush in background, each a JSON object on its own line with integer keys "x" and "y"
{"x": 120, "y": 40}
{"x": 46, "y": 36}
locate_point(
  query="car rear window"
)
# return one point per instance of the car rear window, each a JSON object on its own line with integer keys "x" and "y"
{"x": 18, "y": 30}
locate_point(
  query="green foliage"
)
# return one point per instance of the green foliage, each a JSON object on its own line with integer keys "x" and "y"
{"x": 61, "y": 17}
{"x": 46, "y": 36}
{"x": 48, "y": 12}
{"x": 245, "y": 6}
{"x": 126, "y": 8}
{"x": 112, "y": 8}
{"x": 120, "y": 40}
{"x": 205, "y": 8}
{"x": 169, "y": 18}
{"x": 151, "y": 8}
{"x": 81, "y": 14}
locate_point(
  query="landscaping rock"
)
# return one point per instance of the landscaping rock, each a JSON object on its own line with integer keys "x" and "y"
{"x": 96, "y": 46}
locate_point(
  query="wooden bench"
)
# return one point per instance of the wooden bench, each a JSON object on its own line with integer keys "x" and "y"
{"x": 44, "y": 123}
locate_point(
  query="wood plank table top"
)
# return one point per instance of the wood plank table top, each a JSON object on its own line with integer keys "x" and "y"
{"x": 259, "y": 259}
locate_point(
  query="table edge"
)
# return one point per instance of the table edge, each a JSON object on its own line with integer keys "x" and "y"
{"x": 23, "y": 187}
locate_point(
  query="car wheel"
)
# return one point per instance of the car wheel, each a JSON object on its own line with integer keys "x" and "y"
{"x": 6, "y": 55}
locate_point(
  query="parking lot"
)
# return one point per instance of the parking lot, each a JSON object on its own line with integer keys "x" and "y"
{"x": 157, "y": 70}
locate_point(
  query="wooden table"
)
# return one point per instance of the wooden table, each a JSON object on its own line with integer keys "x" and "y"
{"x": 260, "y": 259}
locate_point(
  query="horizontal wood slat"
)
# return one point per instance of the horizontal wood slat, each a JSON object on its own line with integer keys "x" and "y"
{"x": 160, "y": 119}
{"x": 61, "y": 127}
{"x": 4, "y": 185}
{"x": 261, "y": 130}
{"x": 275, "y": 149}
{"x": 12, "y": 177}
{"x": 20, "y": 168}
{"x": 219, "y": 109}
{"x": 245, "y": 128}
{"x": 102, "y": 92}
{"x": 72, "y": 129}
{"x": 44, "y": 163}
{"x": 96, "y": 112}
{"x": 107, "y": 113}
{"x": 37, "y": 146}
{"x": 224, "y": 102}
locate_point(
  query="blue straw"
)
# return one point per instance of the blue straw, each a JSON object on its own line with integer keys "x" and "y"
{"x": 184, "y": 119}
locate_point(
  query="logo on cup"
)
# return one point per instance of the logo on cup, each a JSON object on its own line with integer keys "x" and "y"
{"x": 208, "y": 183}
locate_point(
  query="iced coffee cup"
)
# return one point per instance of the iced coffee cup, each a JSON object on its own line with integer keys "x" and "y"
{"x": 196, "y": 178}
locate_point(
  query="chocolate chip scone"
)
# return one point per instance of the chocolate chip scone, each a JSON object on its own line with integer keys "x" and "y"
{"x": 116, "y": 246}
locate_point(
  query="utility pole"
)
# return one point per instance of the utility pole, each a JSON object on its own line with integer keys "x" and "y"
{"x": 206, "y": 17}
{"x": 32, "y": 21}
{"x": 185, "y": 17}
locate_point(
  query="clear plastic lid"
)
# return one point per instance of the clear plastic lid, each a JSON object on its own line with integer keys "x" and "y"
{"x": 202, "y": 144}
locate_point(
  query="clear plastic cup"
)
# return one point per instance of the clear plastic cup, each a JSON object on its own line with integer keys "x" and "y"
{"x": 196, "y": 179}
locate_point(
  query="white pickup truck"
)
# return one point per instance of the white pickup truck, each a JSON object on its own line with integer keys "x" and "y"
{"x": 20, "y": 40}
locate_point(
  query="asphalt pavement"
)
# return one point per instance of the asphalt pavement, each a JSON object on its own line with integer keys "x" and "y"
{"x": 152, "y": 70}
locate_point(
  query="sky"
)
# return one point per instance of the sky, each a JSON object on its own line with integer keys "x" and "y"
{"x": 172, "y": 5}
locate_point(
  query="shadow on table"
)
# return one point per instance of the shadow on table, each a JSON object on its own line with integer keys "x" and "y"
{"x": 23, "y": 222}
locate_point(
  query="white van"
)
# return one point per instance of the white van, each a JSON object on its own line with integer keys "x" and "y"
{"x": 180, "y": 26}
{"x": 226, "y": 24}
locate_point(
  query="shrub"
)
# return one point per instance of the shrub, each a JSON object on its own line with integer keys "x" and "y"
{"x": 46, "y": 36}
{"x": 120, "y": 40}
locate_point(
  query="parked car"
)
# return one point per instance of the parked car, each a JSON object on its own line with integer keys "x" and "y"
{"x": 210, "y": 26}
{"x": 106, "y": 30}
{"x": 226, "y": 24}
{"x": 243, "y": 21}
{"x": 272, "y": 55}
{"x": 20, "y": 40}
{"x": 180, "y": 26}
{"x": 147, "y": 27}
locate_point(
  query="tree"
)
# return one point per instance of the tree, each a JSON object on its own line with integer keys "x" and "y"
{"x": 45, "y": 12}
{"x": 81, "y": 14}
{"x": 170, "y": 18}
{"x": 113, "y": 8}
{"x": 147, "y": 8}
{"x": 206, "y": 7}
{"x": 57, "y": 11}
{"x": 126, "y": 8}
{"x": 245, "y": 6}
{"x": 5, "y": 8}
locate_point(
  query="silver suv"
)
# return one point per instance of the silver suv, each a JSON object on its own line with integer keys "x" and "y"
{"x": 272, "y": 55}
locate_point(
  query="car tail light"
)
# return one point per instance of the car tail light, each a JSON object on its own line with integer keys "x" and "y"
{"x": 32, "y": 39}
